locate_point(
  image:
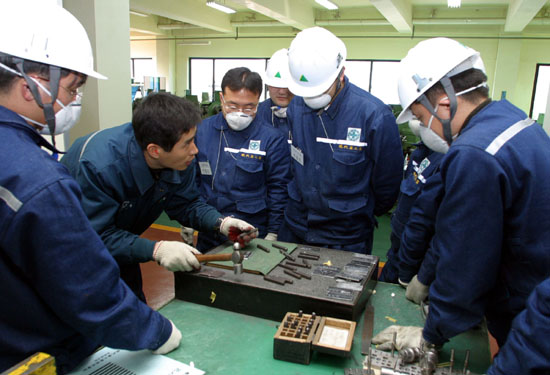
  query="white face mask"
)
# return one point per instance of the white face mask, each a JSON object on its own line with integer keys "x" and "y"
{"x": 279, "y": 111}
{"x": 431, "y": 139}
{"x": 238, "y": 121}
{"x": 65, "y": 119}
{"x": 318, "y": 102}
{"x": 415, "y": 126}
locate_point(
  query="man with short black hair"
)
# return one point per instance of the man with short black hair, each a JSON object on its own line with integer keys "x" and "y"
{"x": 244, "y": 162}
{"x": 131, "y": 173}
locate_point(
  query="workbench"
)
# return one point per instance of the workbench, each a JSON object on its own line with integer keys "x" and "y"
{"x": 224, "y": 342}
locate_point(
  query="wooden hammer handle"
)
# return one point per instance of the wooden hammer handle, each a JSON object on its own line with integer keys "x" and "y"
{"x": 213, "y": 257}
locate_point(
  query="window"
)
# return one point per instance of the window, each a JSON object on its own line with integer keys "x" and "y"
{"x": 141, "y": 67}
{"x": 206, "y": 74}
{"x": 377, "y": 77}
{"x": 540, "y": 92}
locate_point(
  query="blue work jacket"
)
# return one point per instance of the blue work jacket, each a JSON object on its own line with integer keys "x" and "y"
{"x": 266, "y": 114}
{"x": 61, "y": 292}
{"x": 347, "y": 163}
{"x": 527, "y": 348}
{"x": 122, "y": 199}
{"x": 243, "y": 173}
{"x": 492, "y": 230}
{"x": 422, "y": 165}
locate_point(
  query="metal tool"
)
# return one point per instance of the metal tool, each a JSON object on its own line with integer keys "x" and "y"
{"x": 236, "y": 257}
{"x": 303, "y": 265}
{"x": 293, "y": 274}
{"x": 466, "y": 360}
{"x": 262, "y": 247}
{"x": 368, "y": 324}
{"x": 304, "y": 275}
{"x": 452, "y": 362}
{"x": 287, "y": 255}
{"x": 410, "y": 355}
{"x": 277, "y": 280}
{"x": 428, "y": 362}
{"x": 280, "y": 247}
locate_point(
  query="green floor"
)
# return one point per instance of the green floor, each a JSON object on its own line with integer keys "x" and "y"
{"x": 381, "y": 234}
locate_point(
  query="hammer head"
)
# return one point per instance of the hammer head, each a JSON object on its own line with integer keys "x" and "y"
{"x": 237, "y": 259}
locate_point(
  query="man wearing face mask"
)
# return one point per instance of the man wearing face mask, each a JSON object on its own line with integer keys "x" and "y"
{"x": 347, "y": 160}
{"x": 130, "y": 174}
{"x": 243, "y": 161}
{"x": 61, "y": 291}
{"x": 273, "y": 110}
{"x": 423, "y": 163}
{"x": 492, "y": 233}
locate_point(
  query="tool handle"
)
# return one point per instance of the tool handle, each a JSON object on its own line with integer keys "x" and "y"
{"x": 213, "y": 257}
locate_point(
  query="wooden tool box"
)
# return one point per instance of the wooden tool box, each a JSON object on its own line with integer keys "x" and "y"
{"x": 299, "y": 334}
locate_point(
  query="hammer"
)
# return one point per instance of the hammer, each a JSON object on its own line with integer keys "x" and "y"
{"x": 236, "y": 257}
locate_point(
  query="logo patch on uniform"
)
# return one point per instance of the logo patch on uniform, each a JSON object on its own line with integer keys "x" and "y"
{"x": 303, "y": 78}
{"x": 354, "y": 134}
{"x": 423, "y": 165}
{"x": 254, "y": 145}
{"x": 278, "y": 75}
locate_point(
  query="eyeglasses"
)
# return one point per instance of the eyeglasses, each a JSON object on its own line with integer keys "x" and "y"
{"x": 249, "y": 110}
{"x": 74, "y": 93}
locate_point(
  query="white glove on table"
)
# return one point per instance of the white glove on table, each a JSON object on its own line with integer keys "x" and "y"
{"x": 271, "y": 237}
{"x": 416, "y": 291}
{"x": 187, "y": 235}
{"x": 407, "y": 337}
{"x": 172, "y": 343}
{"x": 176, "y": 256}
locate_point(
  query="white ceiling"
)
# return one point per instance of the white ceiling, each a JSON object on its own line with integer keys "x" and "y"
{"x": 192, "y": 18}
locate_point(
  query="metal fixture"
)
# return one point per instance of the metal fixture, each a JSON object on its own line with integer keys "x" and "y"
{"x": 221, "y": 7}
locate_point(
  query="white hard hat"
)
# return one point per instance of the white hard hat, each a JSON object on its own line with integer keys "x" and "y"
{"x": 46, "y": 33}
{"x": 425, "y": 65}
{"x": 276, "y": 73}
{"x": 315, "y": 58}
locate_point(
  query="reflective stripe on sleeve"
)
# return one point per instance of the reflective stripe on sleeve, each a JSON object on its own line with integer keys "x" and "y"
{"x": 508, "y": 134}
{"x": 10, "y": 199}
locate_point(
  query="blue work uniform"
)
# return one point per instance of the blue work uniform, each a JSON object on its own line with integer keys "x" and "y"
{"x": 243, "y": 174}
{"x": 61, "y": 292}
{"x": 492, "y": 230}
{"x": 527, "y": 348}
{"x": 422, "y": 164}
{"x": 122, "y": 197}
{"x": 347, "y": 163}
{"x": 265, "y": 112}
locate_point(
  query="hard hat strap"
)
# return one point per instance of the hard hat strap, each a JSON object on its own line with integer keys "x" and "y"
{"x": 450, "y": 91}
{"x": 55, "y": 76}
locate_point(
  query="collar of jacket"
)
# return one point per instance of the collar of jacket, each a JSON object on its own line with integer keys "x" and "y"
{"x": 221, "y": 124}
{"x": 11, "y": 118}
{"x": 140, "y": 170}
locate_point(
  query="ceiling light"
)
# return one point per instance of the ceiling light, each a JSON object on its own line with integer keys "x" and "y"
{"x": 327, "y": 4}
{"x": 453, "y": 3}
{"x": 223, "y": 8}
{"x": 135, "y": 13}
{"x": 194, "y": 43}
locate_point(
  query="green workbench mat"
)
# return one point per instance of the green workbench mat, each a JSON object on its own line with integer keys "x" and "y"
{"x": 258, "y": 261}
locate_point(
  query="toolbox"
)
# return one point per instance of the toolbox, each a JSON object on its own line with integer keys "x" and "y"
{"x": 330, "y": 282}
{"x": 299, "y": 334}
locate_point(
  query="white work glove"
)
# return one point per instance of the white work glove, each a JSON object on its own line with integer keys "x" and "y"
{"x": 407, "y": 337}
{"x": 416, "y": 291}
{"x": 172, "y": 343}
{"x": 233, "y": 228}
{"x": 271, "y": 237}
{"x": 187, "y": 235}
{"x": 403, "y": 284}
{"x": 176, "y": 256}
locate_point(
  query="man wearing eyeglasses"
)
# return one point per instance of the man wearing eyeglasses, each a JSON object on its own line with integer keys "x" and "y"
{"x": 243, "y": 162}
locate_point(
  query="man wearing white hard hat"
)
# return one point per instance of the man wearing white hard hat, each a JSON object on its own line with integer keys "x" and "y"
{"x": 273, "y": 110}
{"x": 61, "y": 292}
{"x": 347, "y": 160}
{"x": 492, "y": 229}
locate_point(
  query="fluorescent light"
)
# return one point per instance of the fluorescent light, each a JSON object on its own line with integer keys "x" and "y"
{"x": 453, "y": 3}
{"x": 135, "y": 13}
{"x": 194, "y": 43}
{"x": 327, "y": 4}
{"x": 220, "y": 7}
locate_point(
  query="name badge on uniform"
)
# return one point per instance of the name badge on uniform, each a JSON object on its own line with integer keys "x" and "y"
{"x": 297, "y": 154}
{"x": 423, "y": 165}
{"x": 205, "y": 168}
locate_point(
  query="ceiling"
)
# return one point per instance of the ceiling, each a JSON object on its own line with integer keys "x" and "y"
{"x": 192, "y": 19}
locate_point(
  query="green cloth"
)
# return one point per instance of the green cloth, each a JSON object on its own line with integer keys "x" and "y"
{"x": 259, "y": 261}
